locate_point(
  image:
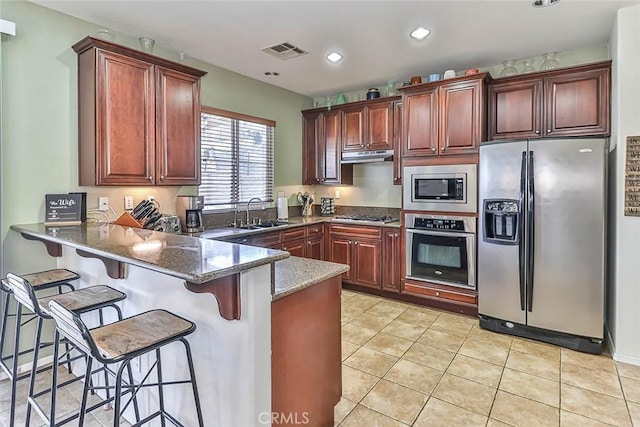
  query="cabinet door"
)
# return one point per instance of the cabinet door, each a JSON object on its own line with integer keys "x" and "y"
{"x": 515, "y": 109}
{"x": 397, "y": 137}
{"x": 420, "y": 123}
{"x": 353, "y": 128}
{"x": 295, "y": 247}
{"x": 379, "y": 131}
{"x": 266, "y": 240}
{"x": 578, "y": 103}
{"x": 315, "y": 248}
{"x": 367, "y": 259}
{"x": 340, "y": 252}
{"x": 461, "y": 117}
{"x": 330, "y": 147}
{"x": 311, "y": 128}
{"x": 391, "y": 257}
{"x": 177, "y": 128}
{"x": 125, "y": 120}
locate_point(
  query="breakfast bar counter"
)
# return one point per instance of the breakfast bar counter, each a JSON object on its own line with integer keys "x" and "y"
{"x": 228, "y": 290}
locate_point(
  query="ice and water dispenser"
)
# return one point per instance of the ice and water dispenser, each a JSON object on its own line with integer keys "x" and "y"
{"x": 501, "y": 221}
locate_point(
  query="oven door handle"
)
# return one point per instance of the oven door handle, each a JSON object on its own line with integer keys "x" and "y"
{"x": 439, "y": 233}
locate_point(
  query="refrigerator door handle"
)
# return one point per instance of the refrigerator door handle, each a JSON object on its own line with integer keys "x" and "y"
{"x": 521, "y": 239}
{"x": 530, "y": 233}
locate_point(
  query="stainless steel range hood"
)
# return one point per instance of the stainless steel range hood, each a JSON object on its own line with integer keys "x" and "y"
{"x": 366, "y": 156}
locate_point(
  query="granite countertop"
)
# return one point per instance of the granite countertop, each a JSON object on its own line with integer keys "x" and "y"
{"x": 295, "y": 273}
{"x": 228, "y": 232}
{"x": 189, "y": 258}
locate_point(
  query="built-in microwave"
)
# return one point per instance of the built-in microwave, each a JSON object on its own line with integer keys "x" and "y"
{"x": 442, "y": 188}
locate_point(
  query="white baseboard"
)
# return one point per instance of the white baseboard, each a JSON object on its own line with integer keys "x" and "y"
{"x": 26, "y": 367}
{"x": 632, "y": 360}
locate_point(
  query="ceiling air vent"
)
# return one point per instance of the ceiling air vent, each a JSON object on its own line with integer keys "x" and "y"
{"x": 284, "y": 51}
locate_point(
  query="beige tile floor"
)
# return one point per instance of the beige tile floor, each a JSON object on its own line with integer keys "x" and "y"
{"x": 68, "y": 402}
{"x": 409, "y": 365}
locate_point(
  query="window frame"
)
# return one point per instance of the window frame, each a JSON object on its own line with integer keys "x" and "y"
{"x": 226, "y": 207}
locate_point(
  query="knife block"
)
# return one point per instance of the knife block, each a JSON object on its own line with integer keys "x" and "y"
{"x": 127, "y": 220}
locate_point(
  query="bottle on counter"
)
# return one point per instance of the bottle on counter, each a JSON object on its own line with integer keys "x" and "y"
{"x": 282, "y": 206}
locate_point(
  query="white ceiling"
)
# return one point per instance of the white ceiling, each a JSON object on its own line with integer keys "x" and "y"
{"x": 372, "y": 35}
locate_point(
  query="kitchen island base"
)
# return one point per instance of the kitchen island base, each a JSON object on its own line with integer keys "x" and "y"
{"x": 306, "y": 361}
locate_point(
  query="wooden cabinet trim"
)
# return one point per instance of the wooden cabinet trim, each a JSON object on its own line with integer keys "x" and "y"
{"x": 356, "y": 231}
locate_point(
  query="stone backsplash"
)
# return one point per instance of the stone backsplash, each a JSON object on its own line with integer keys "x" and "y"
{"x": 217, "y": 220}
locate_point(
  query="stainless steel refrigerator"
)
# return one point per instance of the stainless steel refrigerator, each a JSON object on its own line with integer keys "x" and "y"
{"x": 541, "y": 250}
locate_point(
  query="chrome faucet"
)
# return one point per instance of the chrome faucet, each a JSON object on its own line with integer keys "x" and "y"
{"x": 249, "y": 202}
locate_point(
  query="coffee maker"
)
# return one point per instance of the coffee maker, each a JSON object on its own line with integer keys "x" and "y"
{"x": 190, "y": 213}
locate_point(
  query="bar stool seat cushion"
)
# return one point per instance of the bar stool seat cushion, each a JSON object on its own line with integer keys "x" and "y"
{"x": 139, "y": 332}
{"x": 50, "y": 277}
{"x": 83, "y": 299}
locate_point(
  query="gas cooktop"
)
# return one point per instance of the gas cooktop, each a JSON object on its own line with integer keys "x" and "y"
{"x": 364, "y": 219}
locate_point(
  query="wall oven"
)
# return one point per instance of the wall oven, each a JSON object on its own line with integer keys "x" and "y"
{"x": 441, "y": 249}
{"x": 444, "y": 188}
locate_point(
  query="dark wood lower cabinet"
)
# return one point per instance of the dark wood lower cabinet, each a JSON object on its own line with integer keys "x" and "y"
{"x": 296, "y": 247}
{"x": 391, "y": 260}
{"x": 306, "y": 361}
{"x": 315, "y": 248}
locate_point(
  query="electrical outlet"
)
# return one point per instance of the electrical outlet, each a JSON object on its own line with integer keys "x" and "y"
{"x": 128, "y": 202}
{"x": 151, "y": 198}
{"x": 337, "y": 195}
{"x": 103, "y": 203}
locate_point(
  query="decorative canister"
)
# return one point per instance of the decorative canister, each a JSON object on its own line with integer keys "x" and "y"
{"x": 373, "y": 93}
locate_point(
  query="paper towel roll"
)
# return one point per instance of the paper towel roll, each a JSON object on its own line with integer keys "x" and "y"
{"x": 283, "y": 208}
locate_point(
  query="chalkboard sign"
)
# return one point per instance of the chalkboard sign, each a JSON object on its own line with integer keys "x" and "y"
{"x": 63, "y": 209}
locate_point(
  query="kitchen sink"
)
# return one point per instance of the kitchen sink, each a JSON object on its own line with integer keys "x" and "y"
{"x": 269, "y": 224}
{"x": 249, "y": 227}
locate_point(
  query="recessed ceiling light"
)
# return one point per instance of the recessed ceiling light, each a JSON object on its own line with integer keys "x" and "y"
{"x": 419, "y": 33}
{"x": 334, "y": 57}
{"x": 544, "y": 3}
{"x": 271, "y": 73}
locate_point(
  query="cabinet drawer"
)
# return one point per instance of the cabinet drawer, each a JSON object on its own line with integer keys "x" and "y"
{"x": 315, "y": 230}
{"x": 469, "y": 297}
{"x": 294, "y": 233}
{"x": 356, "y": 231}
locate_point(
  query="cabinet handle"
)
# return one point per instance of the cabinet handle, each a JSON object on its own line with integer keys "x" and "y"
{"x": 150, "y": 177}
{"x": 548, "y": 130}
{"x": 349, "y": 241}
{"x": 433, "y": 148}
{"x": 284, "y": 249}
{"x": 538, "y": 132}
{"x": 396, "y": 235}
{"x": 355, "y": 243}
{"x": 317, "y": 179}
{"x": 161, "y": 177}
{"x": 437, "y": 293}
{"x": 443, "y": 148}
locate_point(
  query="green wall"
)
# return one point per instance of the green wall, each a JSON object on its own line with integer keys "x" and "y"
{"x": 39, "y": 120}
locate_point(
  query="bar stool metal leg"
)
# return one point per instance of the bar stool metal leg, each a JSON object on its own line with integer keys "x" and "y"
{"x": 192, "y": 374}
{"x": 14, "y": 367}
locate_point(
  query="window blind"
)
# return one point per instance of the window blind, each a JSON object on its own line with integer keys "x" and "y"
{"x": 237, "y": 158}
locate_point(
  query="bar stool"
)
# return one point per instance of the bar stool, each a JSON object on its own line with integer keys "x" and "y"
{"x": 49, "y": 279}
{"x": 124, "y": 340}
{"x": 80, "y": 301}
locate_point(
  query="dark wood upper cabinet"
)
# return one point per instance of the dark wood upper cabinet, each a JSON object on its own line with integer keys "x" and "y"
{"x": 462, "y": 116}
{"x": 311, "y": 130}
{"x": 445, "y": 117}
{"x": 420, "y": 123}
{"x": 321, "y": 148}
{"x": 379, "y": 126}
{"x": 138, "y": 117}
{"x": 353, "y": 131}
{"x": 367, "y": 126}
{"x": 515, "y": 109}
{"x": 177, "y": 127}
{"x": 572, "y": 101}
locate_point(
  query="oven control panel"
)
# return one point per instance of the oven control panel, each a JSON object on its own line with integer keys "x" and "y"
{"x": 439, "y": 224}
